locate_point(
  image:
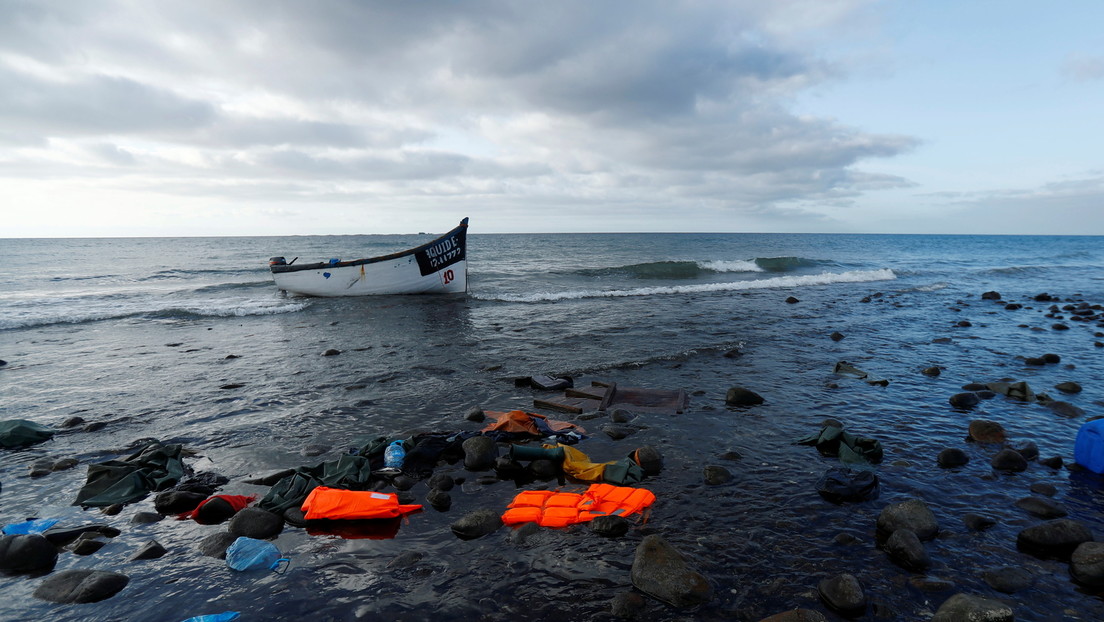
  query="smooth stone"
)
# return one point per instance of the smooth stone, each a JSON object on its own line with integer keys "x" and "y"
{"x": 476, "y": 524}
{"x": 1029, "y": 451}
{"x": 991, "y": 295}
{"x": 978, "y": 522}
{"x": 739, "y": 396}
{"x": 984, "y": 431}
{"x": 331, "y": 352}
{"x": 609, "y": 526}
{"x": 1087, "y": 563}
{"x": 439, "y": 500}
{"x": 618, "y": 432}
{"x": 145, "y": 518}
{"x": 1043, "y": 508}
{"x": 442, "y": 482}
{"x": 931, "y": 584}
{"x": 64, "y": 464}
{"x": 796, "y": 615}
{"x": 81, "y": 586}
{"x": 912, "y": 514}
{"x": 968, "y": 608}
{"x": 256, "y": 523}
{"x": 1054, "y": 538}
{"x": 480, "y": 453}
{"x": 843, "y": 593}
{"x": 952, "y": 457}
{"x": 621, "y": 415}
{"x": 1008, "y": 579}
{"x": 86, "y": 545}
{"x": 1068, "y": 387}
{"x": 628, "y": 606}
{"x": 1055, "y": 462}
{"x": 649, "y": 458}
{"x": 663, "y": 573}
{"x": 836, "y": 336}
{"x": 177, "y": 501}
{"x": 150, "y": 550}
{"x": 715, "y": 475}
{"x": 405, "y": 560}
{"x": 62, "y": 536}
{"x": 791, "y": 300}
{"x": 906, "y": 550}
{"x": 475, "y": 415}
{"x": 27, "y": 553}
{"x": 931, "y": 371}
{"x": 215, "y": 545}
{"x": 964, "y": 400}
{"x": 1009, "y": 460}
{"x": 1065, "y": 409}
{"x": 1043, "y": 488}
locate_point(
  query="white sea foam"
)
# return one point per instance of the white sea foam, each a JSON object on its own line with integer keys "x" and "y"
{"x": 730, "y": 266}
{"x": 826, "y": 278}
{"x": 58, "y": 312}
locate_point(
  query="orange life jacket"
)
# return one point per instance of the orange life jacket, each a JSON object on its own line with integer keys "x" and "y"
{"x": 338, "y": 504}
{"x": 560, "y": 509}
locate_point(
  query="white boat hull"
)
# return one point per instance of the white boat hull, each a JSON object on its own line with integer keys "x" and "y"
{"x": 438, "y": 267}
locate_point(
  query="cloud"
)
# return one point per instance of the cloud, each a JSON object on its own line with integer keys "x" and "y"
{"x": 566, "y": 103}
{"x": 1084, "y": 67}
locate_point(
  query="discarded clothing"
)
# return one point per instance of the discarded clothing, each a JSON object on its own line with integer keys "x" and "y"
{"x": 1015, "y": 390}
{"x": 854, "y": 450}
{"x": 578, "y": 465}
{"x": 153, "y": 468}
{"x": 507, "y": 426}
{"x": 22, "y": 433}
{"x": 348, "y": 472}
{"x": 337, "y": 504}
{"x": 842, "y": 484}
{"x": 847, "y": 369}
{"x": 218, "y": 508}
{"x": 560, "y": 509}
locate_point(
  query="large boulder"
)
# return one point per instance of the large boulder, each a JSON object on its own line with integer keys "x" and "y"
{"x": 912, "y": 514}
{"x": 27, "y": 553}
{"x": 1042, "y": 507}
{"x": 967, "y": 608}
{"x": 843, "y": 593}
{"x": 81, "y": 586}
{"x": 1087, "y": 563}
{"x": 662, "y": 572}
{"x": 739, "y": 396}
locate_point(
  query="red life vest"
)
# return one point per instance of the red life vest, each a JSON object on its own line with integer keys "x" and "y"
{"x": 338, "y": 504}
{"x": 560, "y": 509}
{"x": 236, "y": 502}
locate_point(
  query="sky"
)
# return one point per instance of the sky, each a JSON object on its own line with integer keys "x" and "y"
{"x": 279, "y": 117}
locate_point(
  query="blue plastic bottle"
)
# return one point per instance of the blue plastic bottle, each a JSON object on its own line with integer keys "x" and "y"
{"x": 394, "y": 455}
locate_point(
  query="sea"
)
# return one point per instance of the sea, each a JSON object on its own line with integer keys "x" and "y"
{"x": 188, "y": 341}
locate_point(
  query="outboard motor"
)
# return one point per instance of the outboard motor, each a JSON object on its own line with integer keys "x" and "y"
{"x": 277, "y": 261}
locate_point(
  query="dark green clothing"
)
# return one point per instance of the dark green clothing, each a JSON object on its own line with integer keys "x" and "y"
{"x": 154, "y": 467}
{"x": 21, "y": 433}
{"x": 348, "y": 472}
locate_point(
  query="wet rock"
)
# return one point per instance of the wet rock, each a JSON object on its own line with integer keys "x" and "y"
{"x": 649, "y": 459}
{"x": 912, "y": 514}
{"x": 442, "y": 482}
{"x": 836, "y": 336}
{"x": 731, "y": 456}
{"x": 476, "y": 524}
{"x": 983, "y": 431}
{"x": 112, "y": 510}
{"x": 628, "y": 606}
{"x": 905, "y": 549}
{"x": 843, "y": 593}
{"x": 1055, "y": 462}
{"x": 475, "y": 415}
{"x": 232, "y": 385}
{"x": 295, "y": 517}
{"x": 796, "y": 615}
{"x": 1009, "y": 460}
{"x": 150, "y": 550}
{"x": 72, "y": 422}
{"x": 1059, "y": 326}
{"x": 1035, "y": 360}
{"x": 86, "y": 544}
{"x": 991, "y": 295}
{"x": 662, "y": 572}
{"x": 331, "y": 352}
{"x": 41, "y": 468}
{"x": 967, "y": 608}
{"x": 618, "y": 432}
{"x": 81, "y": 586}
{"x": 1051, "y": 358}
{"x": 177, "y": 501}
{"x": 403, "y": 482}
{"x": 931, "y": 371}
{"x": 145, "y": 518}
{"x": 1054, "y": 538}
{"x": 1043, "y": 488}
{"x": 975, "y": 387}
{"x": 609, "y": 526}
{"x": 480, "y": 453}
{"x": 978, "y": 522}
{"x": 64, "y": 464}
{"x": 952, "y": 457}
{"x": 256, "y": 523}
{"x": 1029, "y": 451}
{"x": 1013, "y": 306}
{"x": 739, "y": 396}
{"x": 1087, "y": 563}
{"x": 715, "y": 475}
{"x": 791, "y": 300}
{"x": 1068, "y": 387}
{"x": 405, "y": 560}
{"x": 270, "y": 479}
{"x": 26, "y": 553}
{"x": 1065, "y": 409}
{"x": 60, "y": 536}
{"x": 215, "y": 545}
{"x": 931, "y": 584}
{"x": 964, "y": 400}
{"x": 439, "y": 500}
{"x": 1009, "y": 579}
{"x": 544, "y": 469}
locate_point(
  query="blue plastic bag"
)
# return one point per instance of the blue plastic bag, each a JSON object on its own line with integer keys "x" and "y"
{"x": 252, "y": 554}
{"x": 225, "y": 616}
{"x": 28, "y": 527}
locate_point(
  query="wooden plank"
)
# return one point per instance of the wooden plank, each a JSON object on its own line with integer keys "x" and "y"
{"x": 574, "y": 405}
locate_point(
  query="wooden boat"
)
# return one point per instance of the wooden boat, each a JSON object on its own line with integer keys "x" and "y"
{"x": 439, "y": 266}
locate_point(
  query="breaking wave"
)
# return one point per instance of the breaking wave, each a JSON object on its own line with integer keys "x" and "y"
{"x": 150, "y": 309}
{"x": 694, "y": 269}
{"x": 827, "y": 278}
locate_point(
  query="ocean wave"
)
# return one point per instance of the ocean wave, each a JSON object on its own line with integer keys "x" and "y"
{"x": 694, "y": 269}
{"x": 227, "y": 307}
{"x": 176, "y": 273}
{"x": 225, "y": 286}
{"x": 785, "y": 264}
{"x": 826, "y": 278}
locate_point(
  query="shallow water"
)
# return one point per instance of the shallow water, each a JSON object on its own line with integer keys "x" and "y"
{"x": 135, "y": 334}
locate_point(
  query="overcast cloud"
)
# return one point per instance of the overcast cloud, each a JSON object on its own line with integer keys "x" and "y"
{"x": 180, "y": 118}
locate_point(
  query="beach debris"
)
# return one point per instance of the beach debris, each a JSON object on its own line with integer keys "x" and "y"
{"x": 606, "y": 396}
{"x": 843, "y": 594}
{"x": 911, "y": 514}
{"x": 153, "y": 467}
{"x": 833, "y": 441}
{"x": 840, "y": 484}
{"x": 844, "y": 368}
{"x": 81, "y": 586}
{"x": 968, "y": 607}
{"x": 23, "y": 433}
{"x": 740, "y": 396}
{"x": 660, "y": 571}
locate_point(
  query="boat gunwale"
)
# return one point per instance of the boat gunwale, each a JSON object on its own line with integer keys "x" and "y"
{"x": 369, "y": 260}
